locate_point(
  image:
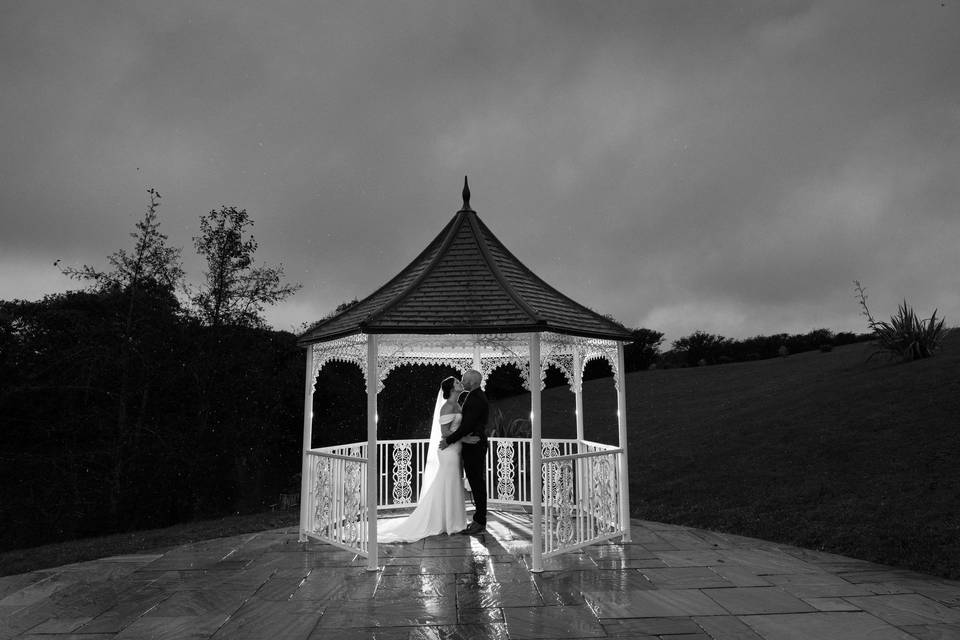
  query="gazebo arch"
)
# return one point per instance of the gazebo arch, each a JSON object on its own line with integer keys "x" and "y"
{"x": 468, "y": 303}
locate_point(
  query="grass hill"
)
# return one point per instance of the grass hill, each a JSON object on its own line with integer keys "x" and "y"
{"x": 821, "y": 450}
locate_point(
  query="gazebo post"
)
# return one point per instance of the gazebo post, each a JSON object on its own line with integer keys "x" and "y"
{"x": 307, "y": 445}
{"x": 581, "y": 497}
{"x": 578, "y": 393}
{"x": 372, "y": 381}
{"x": 622, "y": 437}
{"x": 536, "y": 453}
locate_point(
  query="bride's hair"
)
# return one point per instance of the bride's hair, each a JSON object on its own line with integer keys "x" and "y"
{"x": 447, "y": 386}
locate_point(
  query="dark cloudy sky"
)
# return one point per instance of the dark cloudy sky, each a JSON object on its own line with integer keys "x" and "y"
{"x": 730, "y": 167}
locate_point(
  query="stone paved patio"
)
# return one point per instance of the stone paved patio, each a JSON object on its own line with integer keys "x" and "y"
{"x": 670, "y": 582}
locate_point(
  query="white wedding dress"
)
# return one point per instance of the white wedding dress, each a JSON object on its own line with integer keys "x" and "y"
{"x": 441, "y": 508}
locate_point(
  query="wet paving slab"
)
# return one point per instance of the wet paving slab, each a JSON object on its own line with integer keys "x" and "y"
{"x": 668, "y": 582}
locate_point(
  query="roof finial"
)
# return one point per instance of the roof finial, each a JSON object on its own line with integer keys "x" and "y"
{"x": 466, "y": 195}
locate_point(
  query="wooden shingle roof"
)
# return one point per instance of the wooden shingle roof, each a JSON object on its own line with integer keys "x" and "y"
{"x": 465, "y": 282}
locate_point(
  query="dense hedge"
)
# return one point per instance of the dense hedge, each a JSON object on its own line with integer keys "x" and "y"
{"x": 102, "y": 433}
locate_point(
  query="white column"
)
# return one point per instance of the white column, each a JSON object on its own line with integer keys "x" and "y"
{"x": 372, "y": 381}
{"x": 622, "y": 436}
{"x": 477, "y": 366}
{"x": 477, "y": 363}
{"x": 307, "y": 442}
{"x": 578, "y": 391}
{"x": 581, "y": 498}
{"x": 536, "y": 452}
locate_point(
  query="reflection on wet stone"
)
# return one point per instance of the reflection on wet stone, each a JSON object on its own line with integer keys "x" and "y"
{"x": 459, "y": 588}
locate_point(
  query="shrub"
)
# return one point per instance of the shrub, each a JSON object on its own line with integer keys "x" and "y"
{"x": 906, "y": 335}
{"x": 826, "y": 347}
{"x": 700, "y": 346}
{"x": 809, "y": 341}
{"x": 844, "y": 338}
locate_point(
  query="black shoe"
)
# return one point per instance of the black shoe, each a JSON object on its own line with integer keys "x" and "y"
{"x": 474, "y": 529}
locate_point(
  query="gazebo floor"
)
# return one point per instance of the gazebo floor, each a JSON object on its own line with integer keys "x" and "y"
{"x": 671, "y": 582}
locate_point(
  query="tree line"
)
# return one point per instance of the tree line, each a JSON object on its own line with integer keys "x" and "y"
{"x": 702, "y": 348}
{"x": 140, "y": 400}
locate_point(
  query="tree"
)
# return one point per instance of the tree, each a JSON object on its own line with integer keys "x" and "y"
{"x": 644, "y": 350}
{"x": 234, "y": 291}
{"x": 699, "y": 346}
{"x": 151, "y": 262}
{"x": 140, "y": 289}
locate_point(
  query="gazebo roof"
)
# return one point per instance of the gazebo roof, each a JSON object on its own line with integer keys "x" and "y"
{"x": 466, "y": 282}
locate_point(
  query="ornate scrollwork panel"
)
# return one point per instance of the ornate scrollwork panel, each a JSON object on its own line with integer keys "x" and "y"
{"x": 402, "y": 472}
{"x": 563, "y": 362}
{"x": 388, "y": 364}
{"x": 351, "y": 349}
{"x": 595, "y": 349}
{"x": 408, "y": 351}
{"x": 559, "y": 501}
{"x": 604, "y": 492}
{"x": 491, "y": 364}
{"x": 354, "y": 515}
{"x": 506, "y": 467}
{"x": 549, "y": 449}
{"x": 322, "y": 496}
{"x": 498, "y": 350}
{"x": 557, "y": 350}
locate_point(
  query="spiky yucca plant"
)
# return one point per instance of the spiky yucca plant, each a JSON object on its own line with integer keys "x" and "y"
{"x": 906, "y": 335}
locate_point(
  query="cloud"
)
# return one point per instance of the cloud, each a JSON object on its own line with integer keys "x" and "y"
{"x": 677, "y": 165}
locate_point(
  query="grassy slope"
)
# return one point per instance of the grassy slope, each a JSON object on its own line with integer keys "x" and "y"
{"x": 821, "y": 450}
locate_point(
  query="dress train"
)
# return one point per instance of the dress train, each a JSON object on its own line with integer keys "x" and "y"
{"x": 441, "y": 508}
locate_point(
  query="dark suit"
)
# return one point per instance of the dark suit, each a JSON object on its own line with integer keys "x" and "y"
{"x": 476, "y": 412}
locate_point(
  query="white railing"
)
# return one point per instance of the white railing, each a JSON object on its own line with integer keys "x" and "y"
{"x": 581, "y": 497}
{"x": 508, "y": 471}
{"x": 400, "y": 472}
{"x": 337, "y": 500}
{"x": 508, "y": 468}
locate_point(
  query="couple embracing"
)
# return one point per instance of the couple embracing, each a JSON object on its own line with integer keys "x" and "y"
{"x": 458, "y": 436}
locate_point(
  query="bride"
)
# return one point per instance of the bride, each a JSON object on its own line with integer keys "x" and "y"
{"x": 441, "y": 508}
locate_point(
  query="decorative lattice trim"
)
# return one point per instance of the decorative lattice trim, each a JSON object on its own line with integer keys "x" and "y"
{"x": 496, "y": 350}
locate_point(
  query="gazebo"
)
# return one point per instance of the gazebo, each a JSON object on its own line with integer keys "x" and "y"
{"x": 468, "y": 303}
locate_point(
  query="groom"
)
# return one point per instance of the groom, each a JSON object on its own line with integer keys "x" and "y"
{"x": 475, "y": 411}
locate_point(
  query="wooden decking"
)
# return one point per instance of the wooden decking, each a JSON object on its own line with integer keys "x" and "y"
{"x": 670, "y": 582}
